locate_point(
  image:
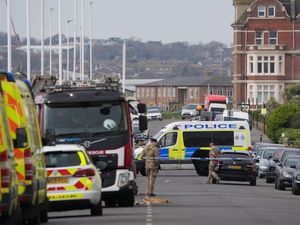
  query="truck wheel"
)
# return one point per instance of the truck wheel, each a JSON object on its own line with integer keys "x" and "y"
{"x": 253, "y": 182}
{"x": 97, "y": 210}
{"x": 127, "y": 200}
{"x": 36, "y": 219}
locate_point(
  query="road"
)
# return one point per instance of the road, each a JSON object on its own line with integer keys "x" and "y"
{"x": 192, "y": 201}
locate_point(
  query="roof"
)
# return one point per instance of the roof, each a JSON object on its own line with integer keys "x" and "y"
{"x": 63, "y": 147}
{"x": 192, "y": 81}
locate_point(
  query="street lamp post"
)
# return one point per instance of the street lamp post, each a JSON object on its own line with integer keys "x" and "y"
{"x": 68, "y": 46}
{"x": 60, "y": 44}
{"x": 28, "y": 39}
{"x": 50, "y": 44}
{"x": 42, "y": 37}
{"x": 74, "y": 51}
{"x": 9, "y": 69}
{"x": 91, "y": 47}
{"x": 82, "y": 40}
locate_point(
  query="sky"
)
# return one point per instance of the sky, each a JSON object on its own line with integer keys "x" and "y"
{"x": 168, "y": 21}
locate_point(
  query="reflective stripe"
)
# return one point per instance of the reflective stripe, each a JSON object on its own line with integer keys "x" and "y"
{"x": 82, "y": 158}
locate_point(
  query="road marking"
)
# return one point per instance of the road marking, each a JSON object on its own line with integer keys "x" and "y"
{"x": 149, "y": 214}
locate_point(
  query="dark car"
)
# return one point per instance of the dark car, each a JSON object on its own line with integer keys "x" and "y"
{"x": 285, "y": 171}
{"x": 272, "y": 163}
{"x": 237, "y": 166}
{"x": 296, "y": 180}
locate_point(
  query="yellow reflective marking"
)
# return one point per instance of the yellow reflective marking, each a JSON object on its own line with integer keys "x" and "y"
{"x": 82, "y": 158}
{"x": 57, "y": 197}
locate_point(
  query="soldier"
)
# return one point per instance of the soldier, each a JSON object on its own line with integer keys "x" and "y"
{"x": 213, "y": 154}
{"x": 151, "y": 156}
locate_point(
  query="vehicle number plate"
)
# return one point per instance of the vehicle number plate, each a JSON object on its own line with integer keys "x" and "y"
{"x": 58, "y": 180}
{"x": 234, "y": 167}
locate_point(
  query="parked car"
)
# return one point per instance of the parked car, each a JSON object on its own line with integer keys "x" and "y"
{"x": 189, "y": 111}
{"x": 296, "y": 180}
{"x": 154, "y": 114}
{"x": 73, "y": 181}
{"x": 138, "y": 135}
{"x": 237, "y": 166}
{"x": 285, "y": 171}
{"x": 267, "y": 153}
{"x": 272, "y": 163}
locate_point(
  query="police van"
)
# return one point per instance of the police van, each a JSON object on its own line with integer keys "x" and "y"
{"x": 187, "y": 142}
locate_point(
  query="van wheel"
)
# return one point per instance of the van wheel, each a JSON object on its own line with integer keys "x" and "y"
{"x": 97, "y": 210}
{"x": 36, "y": 219}
{"x": 13, "y": 219}
{"x": 127, "y": 200}
{"x": 110, "y": 203}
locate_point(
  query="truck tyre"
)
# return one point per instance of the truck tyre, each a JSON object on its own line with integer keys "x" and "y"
{"x": 35, "y": 220}
{"x": 127, "y": 200}
{"x": 97, "y": 210}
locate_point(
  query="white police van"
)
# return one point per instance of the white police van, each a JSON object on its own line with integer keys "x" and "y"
{"x": 181, "y": 142}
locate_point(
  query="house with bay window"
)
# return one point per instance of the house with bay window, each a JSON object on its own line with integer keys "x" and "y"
{"x": 266, "y": 49}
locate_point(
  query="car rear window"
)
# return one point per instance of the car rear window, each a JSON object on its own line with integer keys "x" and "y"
{"x": 268, "y": 153}
{"x": 234, "y": 155}
{"x": 291, "y": 162}
{"x": 64, "y": 159}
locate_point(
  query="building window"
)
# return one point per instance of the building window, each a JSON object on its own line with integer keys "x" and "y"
{"x": 271, "y": 11}
{"x": 272, "y": 37}
{"x": 263, "y": 93}
{"x": 265, "y": 65}
{"x": 220, "y": 91}
{"x": 158, "y": 92}
{"x": 261, "y": 11}
{"x": 258, "y": 37}
{"x": 174, "y": 92}
{"x": 229, "y": 93}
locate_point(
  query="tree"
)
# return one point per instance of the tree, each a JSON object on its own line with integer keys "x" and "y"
{"x": 281, "y": 118}
{"x": 292, "y": 93}
{"x": 271, "y": 105}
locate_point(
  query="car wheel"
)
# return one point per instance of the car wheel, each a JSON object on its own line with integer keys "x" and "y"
{"x": 97, "y": 210}
{"x": 253, "y": 182}
{"x": 127, "y": 200}
{"x": 295, "y": 191}
{"x": 268, "y": 180}
{"x": 280, "y": 185}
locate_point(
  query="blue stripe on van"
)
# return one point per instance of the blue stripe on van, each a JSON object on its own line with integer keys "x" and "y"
{"x": 189, "y": 152}
{"x": 164, "y": 153}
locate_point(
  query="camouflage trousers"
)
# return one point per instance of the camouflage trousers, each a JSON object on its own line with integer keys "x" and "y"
{"x": 151, "y": 176}
{"x": 211, "y": 172}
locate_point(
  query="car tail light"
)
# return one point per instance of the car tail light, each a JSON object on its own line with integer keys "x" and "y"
{"x": 90, "y": 172}
{"x": 5, "y": 172}
{"x": 28, "y": 164}
{"x": 128, "y": 156}
{"x": 249, "y": 148}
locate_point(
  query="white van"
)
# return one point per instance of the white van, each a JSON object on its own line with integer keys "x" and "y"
{"x": 236, "y": 115}
{"x": 179, "y": 142}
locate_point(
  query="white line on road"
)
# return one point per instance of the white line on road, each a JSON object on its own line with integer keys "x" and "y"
{"x": 149, "y": 214}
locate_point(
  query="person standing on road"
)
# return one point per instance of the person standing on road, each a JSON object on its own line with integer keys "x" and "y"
{"x": 151, "y": 156}
{"x": 213, "y": 155}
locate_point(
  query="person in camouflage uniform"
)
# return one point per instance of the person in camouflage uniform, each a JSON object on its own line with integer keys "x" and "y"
{"x": 151, "y": 156}
{"x": 213, "y": 154}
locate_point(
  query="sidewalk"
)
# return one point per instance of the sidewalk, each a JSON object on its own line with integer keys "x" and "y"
{"x": 257, "y": 134}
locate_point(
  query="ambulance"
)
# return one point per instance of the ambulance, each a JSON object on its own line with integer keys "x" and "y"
{"x": 187, "y": 142}
{"x": 30, "y": 164}
{"x": 9, "y": 207}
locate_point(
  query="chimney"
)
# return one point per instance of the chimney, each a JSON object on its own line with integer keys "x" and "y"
{"x": 240, "y": 7}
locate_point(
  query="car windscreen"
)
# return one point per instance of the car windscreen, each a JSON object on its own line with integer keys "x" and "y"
{"x": 291, "y": 162}
{"x": 234, "y": 119}
{"x": 203, "y": 139}
{"x": 268, "y": 153}
{"x": 136, "y": 128}
{"x": 190, "y": 107}
{"x": 88, "y": 118}
{"x": 63, "y": 159}
{"x": 289, "y": 153}
{"x": 153, "y": 111}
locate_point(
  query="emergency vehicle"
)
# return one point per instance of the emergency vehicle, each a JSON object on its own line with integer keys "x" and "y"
{"x": 98, "y": 117}
{"x": 9, "y": 207}
{"x": 30, "y": 167}
{"x": 181, "y": 142}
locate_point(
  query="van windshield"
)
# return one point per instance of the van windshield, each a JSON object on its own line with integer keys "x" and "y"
{"x": 190, "y": 107}
{"x": 203, "y": 139}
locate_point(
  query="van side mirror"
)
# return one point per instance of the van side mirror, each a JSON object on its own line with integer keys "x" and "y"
{"x": 50, "y": 137}
{"x": 143, "y": 123}
{"x": 21, "y": 138}
{"x": 142, "y": 108}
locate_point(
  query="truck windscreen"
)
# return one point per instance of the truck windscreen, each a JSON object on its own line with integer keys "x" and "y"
{"x": 77, "y": 118}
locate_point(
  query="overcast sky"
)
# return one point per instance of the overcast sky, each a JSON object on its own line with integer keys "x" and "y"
{"x": 191, "y": 21}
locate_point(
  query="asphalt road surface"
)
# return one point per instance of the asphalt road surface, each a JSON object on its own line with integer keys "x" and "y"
{"x": 192, "y": 201}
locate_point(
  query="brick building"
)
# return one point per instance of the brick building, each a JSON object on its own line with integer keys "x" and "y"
{"x": 183, "y": 90}
{"x": 266, "y": 49}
